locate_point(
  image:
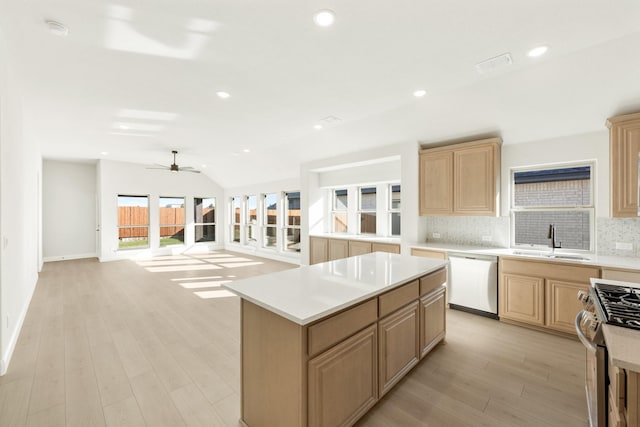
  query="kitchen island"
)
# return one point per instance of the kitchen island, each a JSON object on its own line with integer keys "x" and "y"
{"x": 321, "y": 344}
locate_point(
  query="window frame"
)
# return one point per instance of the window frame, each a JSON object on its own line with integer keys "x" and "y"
{"x": 233, "y": 223}
{"x": 264, "y": 223}
{"x": 161, "y": 225}
{"x": 391, "y": 210}
{"x": 247, "y": 226}
{"x": 286, "y": 226}
{"x": 590, "y": 208}
{"x": 147, "y": 226}
{"x": 335, "y": 210}
{"x": 360, "y": 211}
{"x": 196, "y": 223}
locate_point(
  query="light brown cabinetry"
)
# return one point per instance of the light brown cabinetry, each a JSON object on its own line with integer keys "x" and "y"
{"x": 460, "y": 179}
{"x": 323, "y": 249}
{"x": 623, "y": 396}
{"x": 343, "y": 381}
{"x": 432, "y": 319}
{"x": 399, "y": 345}
{"x": 330, "y": 372}
{"x": 318, "y": 250}
{"x": 359, "y": 248}
{"x": 429, "y": 253}
{"x": 338, "y": 249}
{"x": 522, "y": 298}
{"x": 385, "y": 247}
{"x": 541, "y": 293}
{"x": 624, "y": 146}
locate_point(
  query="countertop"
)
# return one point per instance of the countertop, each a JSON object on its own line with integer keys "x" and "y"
{"x": 628, "y": 263}
{"x": 361, "y": 237}
{"x": 309, "y": 293}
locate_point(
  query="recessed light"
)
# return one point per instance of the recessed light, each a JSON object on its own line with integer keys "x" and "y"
{"x": 537, "y": 51}
{"x": 104, "y": 153}
{"x": 222, "y": 94}
{"x": 324, "y": 18}
{"x": 317, "y": 127}
{"x": 124, "y": 127}
{"x": 203, "y": 166}
{"x": 57, "y": 28}
{"x": 420, "y": 93}
{"x": 246, "y": 150}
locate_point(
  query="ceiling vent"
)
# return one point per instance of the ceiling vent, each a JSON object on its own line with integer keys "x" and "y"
{"x": 494, "y": 63}
{"x": 57, "y": 28}
{"x": 331, "y": 120}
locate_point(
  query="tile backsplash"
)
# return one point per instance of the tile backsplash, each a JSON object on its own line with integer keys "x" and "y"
{"x": 469, "y": 230}
{"x": 614, "y": 235}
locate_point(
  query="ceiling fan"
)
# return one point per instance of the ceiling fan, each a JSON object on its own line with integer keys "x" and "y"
{"x": 174, "y": 167}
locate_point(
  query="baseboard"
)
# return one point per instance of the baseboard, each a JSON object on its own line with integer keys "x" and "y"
{"x": 6, "y": 357}
{"x": 68, "y": 257}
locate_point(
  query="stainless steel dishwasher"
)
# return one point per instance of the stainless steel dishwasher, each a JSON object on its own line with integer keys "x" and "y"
{"x": 473, "y": 283}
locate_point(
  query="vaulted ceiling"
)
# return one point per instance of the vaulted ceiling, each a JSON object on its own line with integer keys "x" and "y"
{"x": 139, "y": 79}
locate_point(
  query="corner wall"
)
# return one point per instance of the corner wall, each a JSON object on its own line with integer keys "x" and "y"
{"x": 20, "y": 172}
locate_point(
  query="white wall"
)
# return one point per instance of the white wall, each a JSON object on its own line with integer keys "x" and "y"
{"x": 116, "y": 178}
{"x": 258, "y": 189}
{"x": 20, "y": 168}
{"x": 69, "y": 210}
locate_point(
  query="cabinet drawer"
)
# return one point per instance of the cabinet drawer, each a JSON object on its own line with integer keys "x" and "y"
{"x": 399, "y": 297}
{"x": 432, "y": 281}
{"x": 385, "y": 247}
{"x": 427, "y": 253}
{"x": 328, "y": 332}
{"x": 549, "y": 270}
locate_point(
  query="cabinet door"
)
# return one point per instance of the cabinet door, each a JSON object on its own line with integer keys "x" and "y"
{"x": 359, "y": 248}
{"x": 429, "y": 253}
{"x": 562, "y": 305}
{"x": 385, "y": 247}
{"x": 436, "y": 183}
{"x": 343, "y": 381}
{"x": 338, "y": 249}
{"x": 521, "y": 298}
{"x": 624, "y": 144}
{"x": 475, "y": 180}
{"x": 399, "y": 345}
{"x": 432, "y": 320}
{"x": 318, "y": 250}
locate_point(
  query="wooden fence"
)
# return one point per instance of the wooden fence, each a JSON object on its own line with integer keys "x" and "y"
{"x": 136, "y": 221}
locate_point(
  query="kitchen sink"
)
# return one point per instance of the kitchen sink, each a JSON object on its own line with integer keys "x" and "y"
{"x": 575, "y": 257}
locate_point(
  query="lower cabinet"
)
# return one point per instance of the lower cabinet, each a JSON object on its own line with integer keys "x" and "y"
{"x": 318, "y": 250}
{"x": 522, "y": 299}
{"x": 399, "y": 345}
{"x": 359, "y": 248}
{"x": 323, "y": 249}
{"x": 338, "y": 249}
{"x": 432, "y": 320}
{"x": 343, "y": 381}
{"x": 542, "y": 293}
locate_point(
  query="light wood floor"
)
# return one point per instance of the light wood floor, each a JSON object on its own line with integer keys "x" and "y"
{"x": 156, "y": 343}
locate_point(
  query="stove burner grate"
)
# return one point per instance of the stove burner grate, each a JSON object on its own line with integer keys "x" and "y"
{"x": 621, "y": 305}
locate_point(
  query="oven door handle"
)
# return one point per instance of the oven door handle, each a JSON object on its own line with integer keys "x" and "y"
{"x": 583, "y": 338}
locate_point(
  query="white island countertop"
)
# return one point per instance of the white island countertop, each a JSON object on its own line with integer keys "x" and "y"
{"x": 308, "y": 293}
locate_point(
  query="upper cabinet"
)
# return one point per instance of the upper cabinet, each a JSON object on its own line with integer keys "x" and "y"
{"x": 624, "y": 146}
{"x": 461, "y": 179}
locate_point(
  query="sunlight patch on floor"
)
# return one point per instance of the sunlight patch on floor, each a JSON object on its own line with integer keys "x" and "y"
{"x": 210, "y": 284}
{"x": 215, "y": 294}
{"x": 182, "y": 268}
{"x": 241, "y": 264}
{"x": 169, "y": 262}
{"x": 180, "y": 279}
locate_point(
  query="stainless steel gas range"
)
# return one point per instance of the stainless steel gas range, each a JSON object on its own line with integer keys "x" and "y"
{"x": 614, "y": 303}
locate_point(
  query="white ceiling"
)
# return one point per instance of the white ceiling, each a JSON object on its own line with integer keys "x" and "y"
{"x": 156, "y": 66}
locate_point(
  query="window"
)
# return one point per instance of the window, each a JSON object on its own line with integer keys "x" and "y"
{"x": 562, "y": 196}
{"x": 339, "y": 213}
{"x": 133, "y": 222}
{"x": 367, "y": 210}
{"x": 251, "y": 218}
{"x": 204, "y": 218}
{"x": 236, "y": 203}
{"x": 394, "y": 209}
{"x": 171, "y": 221}
{"x": 292, "y": 221}
{"x": 269, "y": 220}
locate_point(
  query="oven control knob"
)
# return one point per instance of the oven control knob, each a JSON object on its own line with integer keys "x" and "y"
{"x": 593, "y": 325}
{"x": 584, "y": 297}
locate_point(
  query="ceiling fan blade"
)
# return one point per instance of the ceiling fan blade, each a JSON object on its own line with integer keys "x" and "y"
{"x": 159, "y": 167}
{"x": 189, "y": 170}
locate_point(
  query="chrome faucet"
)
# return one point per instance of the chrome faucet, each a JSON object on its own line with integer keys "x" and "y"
{"x": 552, "y": 236}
